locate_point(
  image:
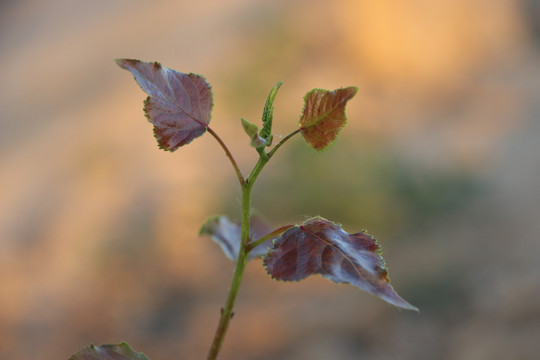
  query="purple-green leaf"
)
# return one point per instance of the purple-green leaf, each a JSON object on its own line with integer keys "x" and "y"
{"x": 108, "y": 352}
{"x": 319, "y": 246}
{"x": 228, "y": 235}
{"x": 179, "y": 105}
{"x": 324, "y": 115}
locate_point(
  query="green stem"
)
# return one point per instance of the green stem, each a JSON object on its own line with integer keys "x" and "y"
{"x": 241, "y": 262}
{"x": 245, "y": 246}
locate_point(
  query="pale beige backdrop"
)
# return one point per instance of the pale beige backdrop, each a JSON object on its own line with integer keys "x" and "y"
{"x": 440, "y": 160}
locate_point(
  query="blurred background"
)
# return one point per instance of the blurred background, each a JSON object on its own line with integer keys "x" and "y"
{"x": 439, "y": 160}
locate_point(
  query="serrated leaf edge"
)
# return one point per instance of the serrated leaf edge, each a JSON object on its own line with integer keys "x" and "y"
{"x": 145, "y": 102}
{"x": 344, "y": 115}
{"x": 378, "y": 251}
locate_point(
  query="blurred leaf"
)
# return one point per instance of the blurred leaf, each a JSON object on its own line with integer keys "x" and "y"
{"x": 252, "y": 131}
{"x": 324, "y": 115}
{"x": 228, "y": 235}
{"x": 322, "y": 247}
{"x": 108, "y": 352}
{"x": 268, "y": 114}
{"x": 179, "y": 105}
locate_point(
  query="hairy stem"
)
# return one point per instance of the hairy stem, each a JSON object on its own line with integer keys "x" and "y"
{"x": 228, "y": 153}
{"x": 241, "y": 262}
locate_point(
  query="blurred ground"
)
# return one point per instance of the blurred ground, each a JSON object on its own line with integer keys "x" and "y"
{"x": 439, "y": 160}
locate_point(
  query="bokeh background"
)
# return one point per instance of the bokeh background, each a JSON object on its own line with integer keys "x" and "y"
{"x": 440, "y": 160}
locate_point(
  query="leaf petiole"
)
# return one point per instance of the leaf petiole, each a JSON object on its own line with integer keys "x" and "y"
{"x": 228, "y": 153}
{"x": 275, "y": 148}
{"x": 268, "y": 236}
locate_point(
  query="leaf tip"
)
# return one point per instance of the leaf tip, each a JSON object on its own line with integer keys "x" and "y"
{"x": 126, "y": 63}
{"x": 352, "y": 90}
{"x": 208, "y": 226}
{"x": 399, "y": 302}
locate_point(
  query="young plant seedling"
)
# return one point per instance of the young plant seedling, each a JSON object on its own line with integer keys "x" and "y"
{"x": 179, "y": 106}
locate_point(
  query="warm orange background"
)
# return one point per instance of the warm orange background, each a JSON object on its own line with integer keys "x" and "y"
{"x": 440, "y": 160}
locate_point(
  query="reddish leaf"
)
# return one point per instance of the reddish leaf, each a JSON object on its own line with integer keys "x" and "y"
{"x": 228, "y": 235}
{"x": 321, "y": 247}
{"x": 108, "y": 352}
{"x": 324, "y": 115}
{"x": 179, "y": 105}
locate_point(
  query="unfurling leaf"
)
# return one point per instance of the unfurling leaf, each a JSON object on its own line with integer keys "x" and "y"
{"x": 228, "y": 235}
{"x": 179, "y": 105}
{"x": 268, "y": 114}
{"x": 324, "y": 115}
{"x": 252, "y": 131}
{"x": 108, "y": 352}
{"x": 322, "y": 247}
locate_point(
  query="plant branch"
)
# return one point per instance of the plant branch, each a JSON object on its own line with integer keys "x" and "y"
{"x": 275, "y": 148}
{"x": 228, "y": 153}
{"x": 245, "y": 245}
